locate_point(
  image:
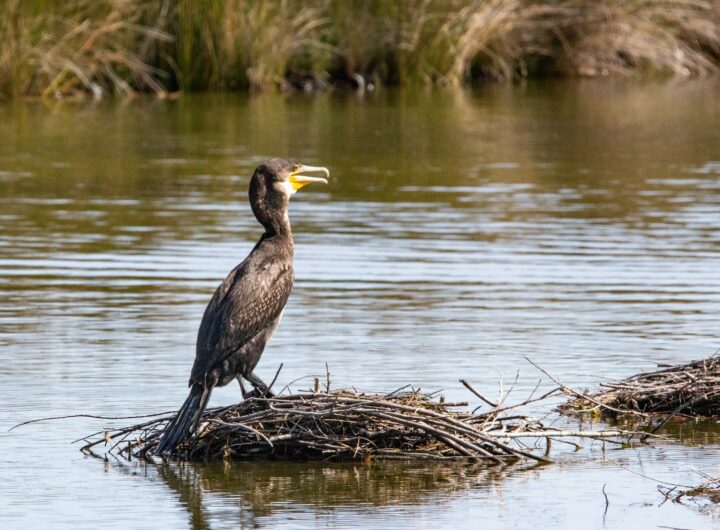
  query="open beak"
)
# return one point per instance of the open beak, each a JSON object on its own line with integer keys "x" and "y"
{"x": 297, "y": 180}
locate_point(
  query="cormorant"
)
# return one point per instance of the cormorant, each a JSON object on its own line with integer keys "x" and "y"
{"x": 246, "y": 308}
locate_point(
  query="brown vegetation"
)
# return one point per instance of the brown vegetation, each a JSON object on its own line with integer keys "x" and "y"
{"x": 56, "y": 48}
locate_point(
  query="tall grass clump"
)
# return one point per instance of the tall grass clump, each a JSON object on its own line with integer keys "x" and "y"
{"x": 251, "y": 44}
{"x": 489, "y": 39}
{"x": 56, "y": 48}
{"x": 259, "y": 44}
{"x": 633, "y": 37}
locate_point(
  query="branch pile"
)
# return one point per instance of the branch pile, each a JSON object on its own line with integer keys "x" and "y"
{"x": 348, "y": 425}
{"x": 691, "y": 389}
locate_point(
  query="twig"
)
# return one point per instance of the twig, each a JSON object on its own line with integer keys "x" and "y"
{"x": 607, "y": 503}
{"x": 92, "y": 416}
{"x": 276, "y": 376}
{"x": 576, "y": 393}
{"x": 478, "y": 394}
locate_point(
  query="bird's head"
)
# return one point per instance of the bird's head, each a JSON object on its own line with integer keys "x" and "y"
{"x": 275, "y": 181}
{"x": 286, "y": 176}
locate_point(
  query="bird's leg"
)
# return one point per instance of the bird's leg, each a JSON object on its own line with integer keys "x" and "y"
{"x": 245, "y": 393}
{"x": 259, "y": 385}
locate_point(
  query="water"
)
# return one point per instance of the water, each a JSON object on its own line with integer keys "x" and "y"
{"x": 577, "y": 224}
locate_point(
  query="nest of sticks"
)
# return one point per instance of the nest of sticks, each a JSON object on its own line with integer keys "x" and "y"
{"x": 691, "y": 390}
{"x": 349, "y": 425}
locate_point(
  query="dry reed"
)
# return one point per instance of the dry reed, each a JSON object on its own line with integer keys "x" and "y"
{"x": 632, "y": 37}
{"x": 58, "y": 48}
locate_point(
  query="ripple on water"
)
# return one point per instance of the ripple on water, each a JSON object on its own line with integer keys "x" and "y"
{"x": 479, "y": 249}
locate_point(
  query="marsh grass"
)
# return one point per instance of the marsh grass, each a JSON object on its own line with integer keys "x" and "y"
{"x": 632, "y": 37}
{"x": 55, "y": 48}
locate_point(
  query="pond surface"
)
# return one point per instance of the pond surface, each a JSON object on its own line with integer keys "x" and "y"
{"x": 577, "y": 224}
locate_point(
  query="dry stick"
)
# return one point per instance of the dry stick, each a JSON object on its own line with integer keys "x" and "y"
{"x": 493, "y": 414}
{"x": 493, "y": 440}
{"x": 287, "y": 387}
{"x": 506, "y": 395}
{"x": 357, "y": 400}
{"x": 399, "y": 455}
{"x": 710, "y": 478}
{"x": 442, "y": 417}
{"x": 666, "y": 494}
{"x": 576, "y": 446}
{"x": 565, "y": 434}
{"x": 325, "y": 413}
{"x": 313, "y": 414}
{"x": 109, "y": 439}
{"x": 115, "y": 433}
{"x": 487, "y": 437}
{"x": 462, "y": 446}
{"x": 478, "y": 394}
{"x": 413, "y": 422}
{"x": 607, "y": 502}
{"x": 581, "y": 395}
{"x": 645, "y": 476}
{"x": 240, "y": 426}
{"x": 484, "y": 435}
{"x": 276, "y": 376}
{"x": 90, "y": 416}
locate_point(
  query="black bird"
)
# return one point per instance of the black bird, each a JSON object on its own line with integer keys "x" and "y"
{"x": 246, "y": 308}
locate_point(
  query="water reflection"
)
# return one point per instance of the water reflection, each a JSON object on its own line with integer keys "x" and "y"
{"x": 255, "y": 491}
{"x": 686, "y": 431}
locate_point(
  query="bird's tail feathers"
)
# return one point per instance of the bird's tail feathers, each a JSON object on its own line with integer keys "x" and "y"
{"x": 186, "y": 420}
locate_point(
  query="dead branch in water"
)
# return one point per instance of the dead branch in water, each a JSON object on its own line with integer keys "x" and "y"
{"x": 348, "y": 425}
{"x": 708, "y": 490}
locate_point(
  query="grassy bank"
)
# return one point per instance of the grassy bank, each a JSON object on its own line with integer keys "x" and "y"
{"x": 56, "y": 48}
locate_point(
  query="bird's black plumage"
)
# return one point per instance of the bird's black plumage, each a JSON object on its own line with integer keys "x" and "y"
{"x": 246, "y": 308}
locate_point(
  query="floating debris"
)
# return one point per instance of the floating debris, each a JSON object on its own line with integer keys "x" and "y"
{"x": 708, "y": 491}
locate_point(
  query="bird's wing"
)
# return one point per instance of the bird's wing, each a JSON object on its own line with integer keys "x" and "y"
{"x": 248, "y": 300}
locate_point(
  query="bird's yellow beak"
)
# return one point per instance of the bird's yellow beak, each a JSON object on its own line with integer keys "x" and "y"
{"x": 297, "y": 180}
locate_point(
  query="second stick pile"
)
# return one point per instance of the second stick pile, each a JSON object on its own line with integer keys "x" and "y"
{"x": 691, "y": 389}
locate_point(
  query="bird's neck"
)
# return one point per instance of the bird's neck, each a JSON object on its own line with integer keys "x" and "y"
{"x": 271, "y": 211}
{"x": 278, "y": 226}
